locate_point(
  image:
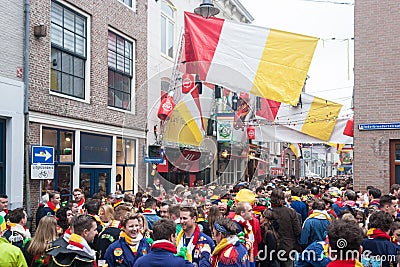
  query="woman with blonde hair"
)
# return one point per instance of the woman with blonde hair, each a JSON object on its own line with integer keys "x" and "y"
{"x": 35, "y": 249}
{"x": 106, "y": 214}
{"x": 144, "y": 226}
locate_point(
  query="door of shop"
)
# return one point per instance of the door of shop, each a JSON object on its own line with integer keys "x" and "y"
{"x": 93, "y": 181}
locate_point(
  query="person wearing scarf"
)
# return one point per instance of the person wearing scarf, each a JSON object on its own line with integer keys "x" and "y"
{"x": 17, "y": 233}
{"x": 196, "y": 245}
{"x": 314, "y": 227}
{"x": 72, "y": 248}
{"x": 229, "y": 250}
{"x": 80, "y": 199}
{"x": 130, "y": 246}
{"x": 51, "y": 206}
{"x": 344, "y": 240}
{"x": 163, "y": 251}
{"x": 378, "y": 241}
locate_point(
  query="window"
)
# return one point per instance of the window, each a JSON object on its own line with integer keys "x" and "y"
{"x": 2, "y": 156}
{"x": 125, "y": 163}
{"x": 68, "y": 51}
{"x": 120, "y": 60}
{"x": 167, "y": 28}
{"x": 127, "y": 2}
{"x": 63, "y": 143}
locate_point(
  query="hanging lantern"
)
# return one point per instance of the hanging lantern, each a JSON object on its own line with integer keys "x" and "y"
{"x": 349, "y": 128}
{"x": 166, "y": 108}
{"x": 251, "y": 132}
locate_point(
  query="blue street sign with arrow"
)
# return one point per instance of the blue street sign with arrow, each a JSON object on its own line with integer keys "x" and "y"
{"x": 42, "y": 155}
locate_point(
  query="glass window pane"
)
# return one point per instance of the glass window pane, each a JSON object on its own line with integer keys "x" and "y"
{"x": 128, "y": 179}
{"x": 84, "y": 183}
{"x": 79, "y": 67}
{"x": 69, "y": 20}
{"x": 167, "y": 9}
{"x": 56, "y": 35}
{"x": 111, "y": 79}
{"x": 128, "y": 66}
{"x": 120, "y": 45}
{"x": 67, "y": 63}
{"x": 49, "y": 138}
{"x": 112, "y": 59}
{"x": 170, "y": 39}
{"x": 64, "y": 181}
{"x": 56, "y": 13}
{"x": 56, "y": 59}
{"x": 127, "y": 84}
{"x": 55, "y": 82}
{"x": 112, "y": 41}
{"x": 79, "y": 87}
{"x": 163, "y": 35}
{"x": 397, "y": 152}
{"x": 69, "y": 41}
{"x": 120, "y": 151}
{"x": 80, "y": 45}
{"x": 110, "y": 97}
{"x": 118, "y": 81}
{"x": 126, "y": 103}
{"x": 66, "y": 146}
{"x": 119, "y": 178}
{"x": 118, "y": 99}
{"x": 80, "y": 26}
{"x": 128, "y": 49}
{"x": 120, "y": 62}
{"x": 130, "y": 151}
{"x": 67, "y": 83}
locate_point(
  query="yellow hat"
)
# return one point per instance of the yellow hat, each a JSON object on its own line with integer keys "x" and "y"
{"x": 245, "y": 195}
{"x": 3, "y": 225}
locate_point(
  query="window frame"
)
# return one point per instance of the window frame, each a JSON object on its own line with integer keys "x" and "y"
{"x": 133, "y": 7}
{"x": 132, "y": 104}
{"x": 86, "y": 58}
{"x": 57, "y": 156}
{"x": 125, "y": 166}
{"x": 172, "y": 20}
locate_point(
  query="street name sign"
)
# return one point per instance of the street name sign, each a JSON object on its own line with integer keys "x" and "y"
{"x": 379, "y": 126}
{"x": 42, "y": 155}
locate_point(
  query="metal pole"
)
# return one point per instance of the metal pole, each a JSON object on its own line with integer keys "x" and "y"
{"x": 26, "y": 114}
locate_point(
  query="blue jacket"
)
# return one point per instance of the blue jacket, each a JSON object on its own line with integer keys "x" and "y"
{"x": 300, "y": 207}
{"x": 120, "y": 254}
{"x": 151, "y": 219}
{"x": 380, "y": 246}
{"x": 313, "y": 230}
{"x": 241, "y": 258}
{"x": 313, "y": 256}
{"x": 159, "y": 257}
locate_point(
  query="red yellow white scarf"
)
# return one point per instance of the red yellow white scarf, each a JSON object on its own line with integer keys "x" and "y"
{"x": 225, "y": 247}
{"x": 181, "y": 242}
{"x": 77, "y": 242}
{"x": 377, "y": 233}
{"x": 164, "y": 244}
{"x": 133, "y": 243}
{"x": 52, "y": 206}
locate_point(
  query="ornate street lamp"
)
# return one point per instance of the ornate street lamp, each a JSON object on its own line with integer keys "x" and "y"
{"x": 206, "y": 9}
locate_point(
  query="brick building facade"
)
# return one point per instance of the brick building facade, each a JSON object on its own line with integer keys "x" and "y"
{"x": 376, "y": 94}
{"x": 87, "y": 96}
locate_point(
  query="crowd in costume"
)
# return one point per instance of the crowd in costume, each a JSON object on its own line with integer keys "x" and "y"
{"x": 277, "y": 222}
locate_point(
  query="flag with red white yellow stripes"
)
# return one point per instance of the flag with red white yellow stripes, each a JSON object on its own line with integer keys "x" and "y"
{"x": 265, "y": 62}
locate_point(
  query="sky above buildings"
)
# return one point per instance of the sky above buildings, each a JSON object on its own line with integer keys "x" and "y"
{"x": 331, "y": 70}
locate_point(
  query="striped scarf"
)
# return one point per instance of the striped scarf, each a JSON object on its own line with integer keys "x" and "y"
{"x": 226, "y": 243}
{"x": 180, "y": 242}
{"x": 77, "y": 242}
{"x": 52, "y": 206}
{"x": 320, "y": 214}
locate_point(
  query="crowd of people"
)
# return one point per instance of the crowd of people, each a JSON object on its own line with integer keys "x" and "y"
{"x": 277, "y": 222}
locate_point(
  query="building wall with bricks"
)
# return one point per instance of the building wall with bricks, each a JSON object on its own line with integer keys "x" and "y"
{"x": 92, "y": 114}
{"x": 376, "y": 90}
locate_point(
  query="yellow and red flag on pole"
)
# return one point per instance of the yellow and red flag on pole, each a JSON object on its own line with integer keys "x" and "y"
{"x": 265, "y": 62}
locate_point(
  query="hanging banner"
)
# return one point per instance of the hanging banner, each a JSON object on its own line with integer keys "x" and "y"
{"x": 306, "y": 153}
{"x": 225, "y": 126}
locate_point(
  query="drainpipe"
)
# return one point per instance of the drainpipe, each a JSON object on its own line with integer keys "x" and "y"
{"x": 26, "y": 115}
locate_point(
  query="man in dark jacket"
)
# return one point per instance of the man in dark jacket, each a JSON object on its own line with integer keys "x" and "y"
{"x": 286, "y": 223}
{"x": 74, "y": 250}
{"x": 163, "y": 249}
